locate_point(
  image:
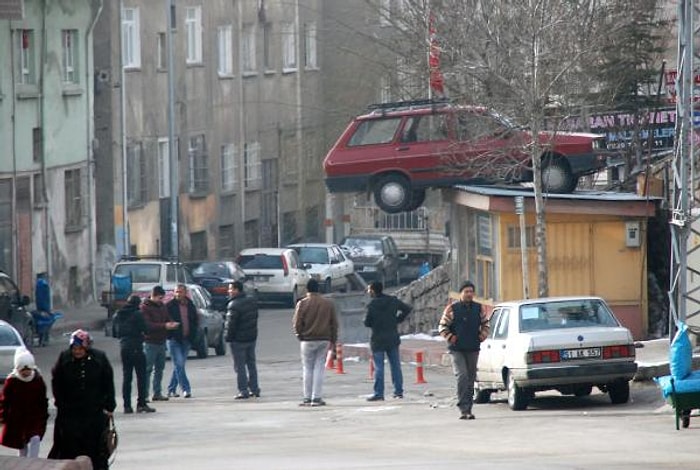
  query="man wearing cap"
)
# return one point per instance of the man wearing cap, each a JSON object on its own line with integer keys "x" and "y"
{"x": 83, "y": 390}
{"x": 464, "y": 325}
{"x": 132, "y": 328}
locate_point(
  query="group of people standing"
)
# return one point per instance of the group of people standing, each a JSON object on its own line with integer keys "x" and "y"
{"x": 82, "y": 377}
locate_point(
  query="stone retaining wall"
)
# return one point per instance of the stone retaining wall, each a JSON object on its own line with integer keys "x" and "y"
{"x": 16, "y": 463}
{"x": 428, "y": 295}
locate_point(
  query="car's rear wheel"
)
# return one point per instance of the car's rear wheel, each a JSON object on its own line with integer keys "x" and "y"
{"x": 417, "y": 199}
{"x": 482, "y": 396}
{"x": 293, "y": 297}
{"x": 517, "y": 396}
{"x": 220, "y": 348}
{"x": 583, "y": 390}
{"x": 619, "y": 392}
{"x": 392, "y": 193}
{"x": 557, "y": 176}
{"x": 202, "y": 346}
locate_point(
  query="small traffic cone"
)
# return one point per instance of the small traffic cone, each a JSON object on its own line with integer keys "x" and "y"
{"x": 330, "y": 362}
{"x": 419, "y": 368}
{"x": 339, "y": 359}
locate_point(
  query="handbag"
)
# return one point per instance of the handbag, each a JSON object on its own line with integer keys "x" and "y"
{"x": 111, "y": 438}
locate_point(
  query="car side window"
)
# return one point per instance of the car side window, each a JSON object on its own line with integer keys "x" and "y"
{"x": 493, "y": 321}
{"x": 502, "y": 326}
{"x": 293, "y": 260}
{"x": 375, "y": 131}
{"x": 431, "y": 127}
{"x": 333, "y": 256}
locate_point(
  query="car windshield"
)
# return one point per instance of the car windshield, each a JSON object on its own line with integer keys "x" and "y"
{"x": 375, "y": 131}
{"x": 8, "y": 337}
{"x": 260, "y": 261}
{"x": 313, "y": 255}
{"x": 211, "y": 269}
{"x": 565, "y": 314}
{"x": 141, "y": 272}
{"x": 363, "y": 247}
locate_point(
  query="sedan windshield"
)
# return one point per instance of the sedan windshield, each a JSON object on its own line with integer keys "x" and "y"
{"x": 212, "y": 269}
{"x": 363, "y": 247}
{"x": 565, "y": 314}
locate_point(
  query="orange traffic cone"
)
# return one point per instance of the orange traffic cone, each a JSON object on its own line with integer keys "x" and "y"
{"x": 330, "y": 362}
{"x": 339, "y": 359}
{"x": 419, "y": 368}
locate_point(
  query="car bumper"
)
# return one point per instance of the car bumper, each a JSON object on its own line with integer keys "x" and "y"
{"x": 574, "y": 374}
{"x": 346, "y": 184}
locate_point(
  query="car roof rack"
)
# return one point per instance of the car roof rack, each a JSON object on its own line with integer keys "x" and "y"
{"x": 411, "y": 104}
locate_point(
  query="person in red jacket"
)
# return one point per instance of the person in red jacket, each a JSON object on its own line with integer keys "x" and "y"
{"x": 24, "y": 406}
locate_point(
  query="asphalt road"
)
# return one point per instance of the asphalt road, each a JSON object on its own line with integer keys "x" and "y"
{"x": 214, "y": 431}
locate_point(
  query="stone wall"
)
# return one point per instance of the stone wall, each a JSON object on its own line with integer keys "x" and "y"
{"x": 16, "y": 463}
{"x": 428, "y": 295}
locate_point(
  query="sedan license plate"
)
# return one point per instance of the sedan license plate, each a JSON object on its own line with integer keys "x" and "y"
{"x": 582, "y": 353}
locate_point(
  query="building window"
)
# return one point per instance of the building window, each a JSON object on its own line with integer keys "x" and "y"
{"x": 289, "y": 227}
{"x": 228, "y": 167}
{"x": 38, "y": 190}
{"x": 6, "y": 224}
{"x": 163, "y": 168}
{"x": 137, "y": 188}
{"x": 131, "y": 38}
{"x": 248, "y": 48}
{"x": 252, "y": 164}
{"x": 310, "y": 61}
{"x": 199, "y": 166}
{"x": 480, "y": 253}
{"x": 289, "y": 47}
{"x": 226, "y": 241}
{"x": 69, "y": 43}
{"x": 26, "y": 56}
{"x": 225, "y": 50}
{"x": 193, "y": 28}
{"x": 162, "y": 51}
{"x": 37, "y": 145}
{"x": 312, "y": 223}
{"x": 74, "y": 202}
{"x": 267, "y": 47}
{"x": 251, "y": 232}
{"x": 198, "y": 244}
{"x": 514, "y": 236}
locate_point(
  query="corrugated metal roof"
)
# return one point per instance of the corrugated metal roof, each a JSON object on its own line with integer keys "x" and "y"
{"x": 501, "y": 191}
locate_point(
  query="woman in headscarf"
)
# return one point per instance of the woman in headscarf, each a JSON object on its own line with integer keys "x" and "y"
{"x": 83, "y": 388}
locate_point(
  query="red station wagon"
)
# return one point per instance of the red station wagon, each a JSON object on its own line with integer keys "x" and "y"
{"x": 397, "y": 150}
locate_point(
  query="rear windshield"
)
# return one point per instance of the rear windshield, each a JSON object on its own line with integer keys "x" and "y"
{"x": 8, "y": 337}
{"x": 565, "y": 314}
{"x": 211, "y": 269}
{"x": 313, "y": 255}
{"x": 375, "y": 131}
{"x": 363, "y": 247}
{"x": 260, "y": 261}
{"x": 141, "y": 272}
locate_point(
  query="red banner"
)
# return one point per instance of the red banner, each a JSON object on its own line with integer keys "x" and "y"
{"x": 436, "y": 80}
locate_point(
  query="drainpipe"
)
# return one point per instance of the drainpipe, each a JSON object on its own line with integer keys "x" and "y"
{"x": 122, "y": 116}
{"x": 15, "y": 220}
{"x": 89, "y": 150}
{"x": 242, "y": 132}
{"x": 44, "y": 176}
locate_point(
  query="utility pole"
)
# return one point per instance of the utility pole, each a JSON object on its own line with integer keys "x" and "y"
{"x": 172, "y": 157}
{"x": 122, "y": 112}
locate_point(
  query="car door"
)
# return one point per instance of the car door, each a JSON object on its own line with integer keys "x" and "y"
{"x": 483, "y": 368}
{"x": 334, "y": 267}
{"x": 344, "y": 264}
{"x": 421, "y": 145}
{"x": 499, "y": 346}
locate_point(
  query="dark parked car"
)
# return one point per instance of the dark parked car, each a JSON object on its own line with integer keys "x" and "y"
{"x": 215, "y": 276}
{"x": 12, "y": 308}
{"x": 375, "y": 257}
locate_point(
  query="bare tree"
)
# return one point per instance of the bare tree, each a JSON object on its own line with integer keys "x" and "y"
{"x": 521, "y": 58}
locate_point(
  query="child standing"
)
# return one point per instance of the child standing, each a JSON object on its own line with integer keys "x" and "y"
{"x": 24, "y": 406}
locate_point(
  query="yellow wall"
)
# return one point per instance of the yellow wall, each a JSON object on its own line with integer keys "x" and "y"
{"x": 144, "y": 229}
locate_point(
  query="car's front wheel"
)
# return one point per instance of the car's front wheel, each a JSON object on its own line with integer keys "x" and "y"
{"x": 220, "y": 348}
{"x": 557, "y": 176}
{"x": 619, "y": 392}
{"x": 482, "y": 396}
{"x": 517, "y": 396}
{"x": 202, "y": 346}
{"x": 392, "y": 193}
{"x": 293, "y": 297}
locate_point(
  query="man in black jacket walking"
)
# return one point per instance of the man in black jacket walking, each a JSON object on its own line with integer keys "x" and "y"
{"x": 183, "y": 314}
{"x": 384, "y": 313}
{"x": 131, "y": 328}
{"x": 242, "y": 334}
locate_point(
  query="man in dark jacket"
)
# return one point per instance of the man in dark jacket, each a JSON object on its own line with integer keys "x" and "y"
{"x": 242, "y": 334}
{"x": 83, "y": 389}
{"x": 157, "y": 326}
{"x": 131, "y": 327}
{"x": 181, "y": 310}
{"x": 464, "y": 325}
{"x": 384, "y": 313}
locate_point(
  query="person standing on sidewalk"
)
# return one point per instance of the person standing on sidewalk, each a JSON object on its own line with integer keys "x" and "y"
{"x": 384, "y": 313}
{"x": 464, "y": 325}
{"x": 316, "y": 326}
{"x": 83, "y": 390}
{"x": 157, "y": 326}
{"x": 131, "y": 328}
{"x": 242, "y": 333}
{"x": 182, "y": 311}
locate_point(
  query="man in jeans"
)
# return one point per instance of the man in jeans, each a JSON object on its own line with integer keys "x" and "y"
{"x": 157, "y": 326}
{"x": 316, "y": 326}
{"x": 384, "y": 313}
{"x": 241, "y": 334}
{"x": 183, "y": 313}
{"x": 464, "y": 325}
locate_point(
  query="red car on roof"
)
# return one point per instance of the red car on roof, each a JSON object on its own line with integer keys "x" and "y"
{"x": 397, "y": 150}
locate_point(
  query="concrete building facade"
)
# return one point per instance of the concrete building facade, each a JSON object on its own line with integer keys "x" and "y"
{"x": 47, "y": 218}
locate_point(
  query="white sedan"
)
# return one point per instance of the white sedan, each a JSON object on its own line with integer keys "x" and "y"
{"x": 569, "y": 344}
{"x": 327, "y": 264}
{"x": 10, "y": 342}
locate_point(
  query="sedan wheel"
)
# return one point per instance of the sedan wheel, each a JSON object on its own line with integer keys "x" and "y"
{"x": 557, "y": 177}
{"x": 517, "y": 396}
{"x": 203, "y": 347}
{"x": 293, "y": 297}
{"x": 482, "y": 396}
{"x": 392, "y": 194}
{"x": 220, "y": 348}
{"x": 619, "y": 392}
